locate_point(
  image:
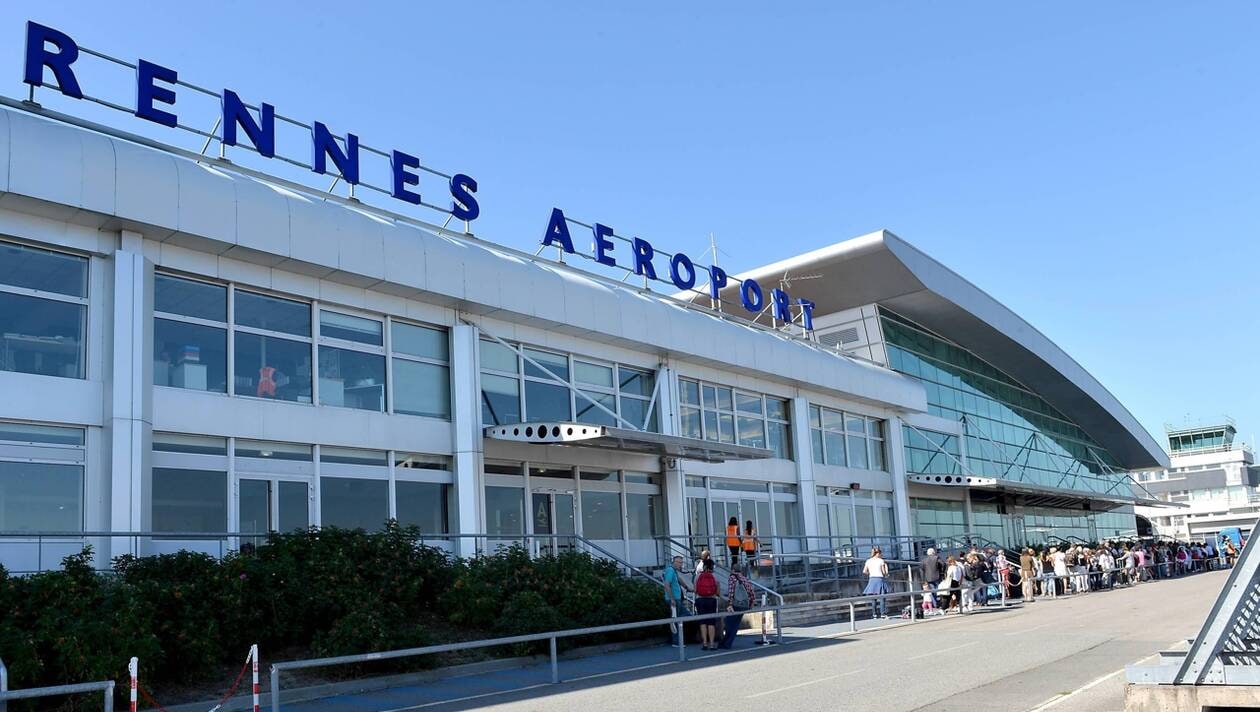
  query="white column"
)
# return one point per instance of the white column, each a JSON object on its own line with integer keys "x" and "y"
{"x": 129, "y": 390}
{"x": 894, "y": 440}
{"x": 675, "y": 488}
{"x": 466, "y": 427}
{"x": 803, "y": 451}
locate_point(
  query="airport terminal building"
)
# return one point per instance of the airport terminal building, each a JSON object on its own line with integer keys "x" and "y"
{"x": 190, "y": 347}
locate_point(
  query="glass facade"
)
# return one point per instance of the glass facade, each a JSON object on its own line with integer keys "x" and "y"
{"x": 722, "y": 414}
{"x": 846, "y": 439}
{"x": 1010, "y": 433}
{"x": 524, "y": 388}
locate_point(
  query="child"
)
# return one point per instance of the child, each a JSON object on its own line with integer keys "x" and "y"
{"x": 929, "y": 601}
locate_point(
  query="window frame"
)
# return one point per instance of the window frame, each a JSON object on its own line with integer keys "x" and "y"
{"x": 819, "y": 429}
{"x": 84, "y": 302}
{"x": 717, "y": 410}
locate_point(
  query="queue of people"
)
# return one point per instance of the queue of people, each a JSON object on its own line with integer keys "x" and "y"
{"x": 738, "y": 542}
{"x": 958, "y": 582}
{"x": 736, "y": 597}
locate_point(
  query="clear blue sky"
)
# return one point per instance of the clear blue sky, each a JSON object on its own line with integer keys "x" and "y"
{"x": 1091, "y": 165}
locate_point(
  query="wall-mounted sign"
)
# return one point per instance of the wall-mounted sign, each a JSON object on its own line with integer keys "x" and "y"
{"x": 156, "y": 96}
{"x": 682, "y": 270}
{"x": 52, "y": 52}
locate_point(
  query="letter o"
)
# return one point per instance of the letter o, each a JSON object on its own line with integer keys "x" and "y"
{"x": 750, "y": 294}
{"x": 679, "y": 260}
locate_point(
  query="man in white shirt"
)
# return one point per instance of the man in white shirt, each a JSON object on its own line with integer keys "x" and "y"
{"x": 1059, "y": 560}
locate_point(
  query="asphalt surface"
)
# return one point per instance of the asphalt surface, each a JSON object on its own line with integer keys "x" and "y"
{"x": 1062, "y": 654}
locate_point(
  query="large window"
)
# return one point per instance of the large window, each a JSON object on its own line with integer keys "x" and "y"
{"x": 516, "y": 389}
{"x": 722, "y": 414}
{"x": 422, "y": 378}
{"x": 275, "y": 356}
{"x": 351, "y": 361}
{"x": 353, "y": 503}
{"x": 43, "y": 311}
{"x": 189, "y": 334}
{"x": 189, "y": 500}
{"x": 41, "y": 478}
{"x": 846, "y": 439}
{"x": 273, "y": 347}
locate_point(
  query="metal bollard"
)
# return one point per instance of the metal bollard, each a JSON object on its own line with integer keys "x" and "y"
{"x": 852, "y": 619}
{"x": 682, "y": 643}
{"x": 275, "y": 689}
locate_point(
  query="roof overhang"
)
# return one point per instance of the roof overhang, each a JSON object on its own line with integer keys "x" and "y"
{"x": 881, "y": 268}
{"x": 639, "y": 442}
{"x": 1035, "y": 495}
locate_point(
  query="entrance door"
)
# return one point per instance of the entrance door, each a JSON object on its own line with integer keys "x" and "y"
{"x": 271, "y": 505}
{"x": 553, "y": 515}
{"x": 743, "y": 511}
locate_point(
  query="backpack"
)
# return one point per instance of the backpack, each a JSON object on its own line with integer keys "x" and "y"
{"x": 739, "y": 597}
{"x": 706, "y": 585}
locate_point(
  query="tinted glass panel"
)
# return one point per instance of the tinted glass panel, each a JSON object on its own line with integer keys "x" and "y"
{"x": 189, "y": 356}
{"x": 38, "y": 496}
{"x": 420, "y": 341}
{"x": 268, "y": 367}
{"x": 351, "y": 456}
{"x": 635, "y": 410}
{"x": 746, "y": 403}
{"x": 588, "y": 413}
{"x": 558, "y": 364}
{"x": 294, "y": 506}
{"x": 689, "y": 392}
{"x": 351, "y": 379}
{"x": 255, "y": 506}
{"x": 497, "y": 357}
{"x": 47, "y": 271}
{"x": 500, "y": 400}
{"x": 23, "y": 433}
{"x": 353, "y": 503}
{"x": 751, "y": 432}
{"x": 635, "y": 381}
{"x": 505, "y": 507}
{"x": 189, "y": 298}
{"x": 601, "y": 515}
{"x": 593, "y": 374}
{"x": 41, "y": 336}
{"x": 196, "y": 444}
{"x": 422, "y": 389}
{"x": 273, "y": 313}
{"x": 273, "y": 451}
{"x": 422, "y": 505}
{"x": 776, "y": 408}
{"x": 546, "y": 401}
{"x": 351, "y": 328}
{"x": 189, "y": 500}
{"x": 645, "y": 517}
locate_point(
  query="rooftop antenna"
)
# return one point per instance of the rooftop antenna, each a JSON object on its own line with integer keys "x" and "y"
{"x": 785, "y": 283}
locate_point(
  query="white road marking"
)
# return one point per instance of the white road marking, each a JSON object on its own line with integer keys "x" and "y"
{"x": 1087, "y": 686}
{"x": 804, "y": 684}
{"x": 1036, "y": 627}
{"x": 465, "y": 699}
{"x": 943, "y": 650}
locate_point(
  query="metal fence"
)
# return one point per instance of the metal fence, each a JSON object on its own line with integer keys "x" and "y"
{"x": 105, "y": 687}
{"x": 677, "y": 623}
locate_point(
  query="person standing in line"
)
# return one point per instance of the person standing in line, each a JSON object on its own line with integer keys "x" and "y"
{"x": 707, "y": 593}
{"x": 931, "y": 569}
{"x": 750, "y": 543}
{"x": 704, "y": 556}
{"x": 1080, "y": 567}
{"x": 1107, "y": 564}
{"x": 1003, "y": 572}
{"x": 1027, "y": 574}
{"x": 674, "y": 586}
{"x": 876, "y": 570}
{"x": 1059, "y": 561}
{"x": 739, "y": 598}
{"x": 732, "y": 540}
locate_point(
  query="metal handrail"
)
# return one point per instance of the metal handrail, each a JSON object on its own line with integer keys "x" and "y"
{"x": 104, "y": 686}
{"x": 552, "y": 636}
{"x": 716, "y": 565}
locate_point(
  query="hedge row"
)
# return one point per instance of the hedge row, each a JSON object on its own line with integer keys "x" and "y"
{"x": 322, "y": 592}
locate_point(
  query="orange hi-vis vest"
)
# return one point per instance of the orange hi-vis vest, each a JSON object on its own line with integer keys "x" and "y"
{"x": 732, "y": 535}
{"x": 750, "y": 541}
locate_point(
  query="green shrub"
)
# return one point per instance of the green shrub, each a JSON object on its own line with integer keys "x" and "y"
{"x": 322, "y": 592}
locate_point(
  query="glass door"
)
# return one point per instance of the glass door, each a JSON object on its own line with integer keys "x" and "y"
{"x": 271, "y": 505}
{"x": 553, "y": 514}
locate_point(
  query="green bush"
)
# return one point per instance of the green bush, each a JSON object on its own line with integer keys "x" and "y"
{"x": 322, "y": 592}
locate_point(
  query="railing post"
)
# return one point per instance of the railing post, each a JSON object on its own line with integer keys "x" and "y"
{"x": 852, "y": 618}
{"x": 682, "y": 643}
{"x": 275, "y": 689}
{"x": 555, "y": 665}
{"x": 4, "y": 685}
{"x": 910, "y": 572}
{"x": 108, "y": 705}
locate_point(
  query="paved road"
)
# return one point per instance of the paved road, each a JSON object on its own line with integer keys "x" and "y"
{"x": 1058, "y": 654}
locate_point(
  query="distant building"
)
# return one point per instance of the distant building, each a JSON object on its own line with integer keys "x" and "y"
{"x": 1213, "y": 475}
